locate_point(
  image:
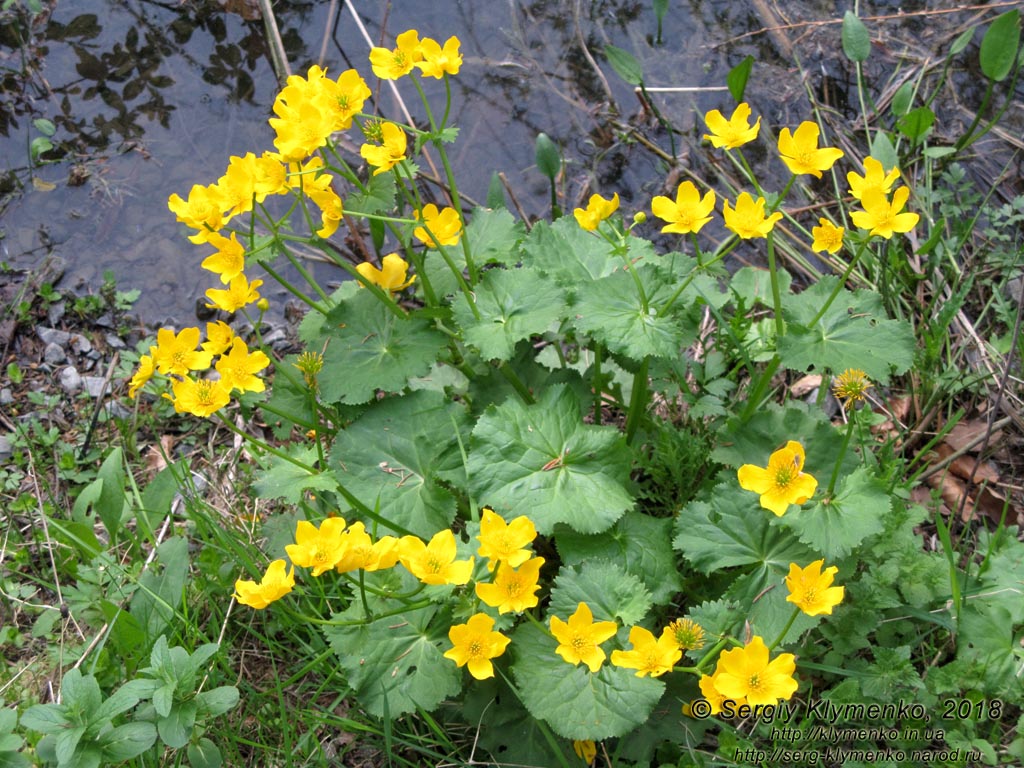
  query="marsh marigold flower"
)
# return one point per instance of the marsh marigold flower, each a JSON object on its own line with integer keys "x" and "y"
{"x": 318, "y": 548}
{"x": 598, "y": 209}
{"x": 200, "y": 397}
{"x": 811, "y": 590}
{"x": 437, "y": 61}
{"x": 229, "y": 260}
{"x": 586, "y": 750}
{"x": 389, "y": 152}
{"x": 580, "y": 638}
{"x": 475, "y": 643}
{"x": 782, "y": 483}
{"x": 505, "y": 542}
{"x": 219, "y": 338}
{"x": 434, "y": 563}
{"x": 201, "y": 211}
{"x": 393, "y": 64}
{"x": 734, "y": 132}
{"x": 345, "y": 97}
{"x": 444, "y": 225}
{"x": 715, "y": 697}
{"x": 688, "y": 634}
{"x": 851, "y": 386}
{"x": 177, "y": 353}
{"x": 513, "y": 589}
{"x": 392, "y": 273}
{"x": 875, "y": 179}
{"x": 827, "y": 236}
{"x": 143, "y": 374}
{"x": 688, "y": 212}
{"x": 883, "y": 218}
{"x": 649, "y": 656}
{"x": 361, "y": 552}
{"x": 748, "y": 219}
{"x": 238, "y": 368}
{"x": 239, "y": 293}
{"x": 275, "y": 584}
{"x": 800, "y": 151}
{"x": 747, "y": 673}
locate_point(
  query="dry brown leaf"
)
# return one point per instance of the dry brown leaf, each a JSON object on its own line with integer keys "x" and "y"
{"x": 247, "y": 9}
{"x": 805, "y": 385}
{"x": 966, "y": 433}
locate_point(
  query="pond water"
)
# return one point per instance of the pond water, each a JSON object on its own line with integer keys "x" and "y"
{"x": 149, "y": 98}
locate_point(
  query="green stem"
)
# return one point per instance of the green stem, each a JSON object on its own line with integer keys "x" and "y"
{"x": 711, "y": 654}
{"x": 763, "y": 382}
{"x": 293, "y": 290}
{"x": 842, "y": 455}
{"x": 785, "y": 629}
{"x": 596, "y": 379}
{"x": 517, "y": 384}
{"x": 637, "y": 401}
{"x": 780, "y": 328}
{"x": 839, "y": 286}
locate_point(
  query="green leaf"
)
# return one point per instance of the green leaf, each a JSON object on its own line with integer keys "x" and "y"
{"x": 625, "y": 64}
{"x": 121, "y": 700}
{"x": 963, "y": 40}
{"x": 394, "y": 454}
{"x": 738, "y": 76}
{"x": 176, "y": 727}
{"x": 40, "y": 145}
{"x": 378, "y": 196}
{"x": 883, "y": 150}
{"x": 834, "y": 529}
{"x": 574, "y": 702}
{"x": 161, "y": 587}
{"x": 396, "y": 665}
{"x": 513, "y": 736}
{"x": 754, "y": 285}
{"x": 494, "y": 237}
{"x": 45, "y": 718}
{"x": 853, "y": 333}
{"x": 587, "y": 470}
{"x": 916, "y": 124}
{"x": 610, "y": 592}
{"x": 127, "y": 741}
{"x": 513, "y": 305}
{"x": 999, "y": 46}
{"x": 372, "y": 349}
{"x": 610, "y": 311}
{"x": 642, "y": 544}
{"x": 734, "y": 530}
{"x": 283, "y": 479}
{"x": 902, "y": 99}
{"x": 856, "y": 40}
{"x": 44, "y": 126}
{"x": 112, "y": 501}
{"x": 218, "y": 700}
{"x": 67, "y": 744}
{"x": 549, "y": 159}
{"x": 572, "y": 257}
{"x": 495, "y": 192}
{"x": 204, "y": 754}
{"x": 81, "y": 694}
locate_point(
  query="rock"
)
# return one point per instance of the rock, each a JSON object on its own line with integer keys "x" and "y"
{"x": 93, "y": 385}
{"x": 54, "y": 354}
{"x": 80, "y": 344}
{"x": 55, "y": 312}
{"x": 52, "y": 335}
{"x": 114, "y": 341}
{"x": 5, "y": 447}
{"x": 70, "y": 380}
{"x": 6, "y": 396}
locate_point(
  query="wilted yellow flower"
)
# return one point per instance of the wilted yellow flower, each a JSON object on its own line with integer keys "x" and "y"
{"x": 875, "y": 179}
{"x": 800, "y": 152}
{"x": 444, "y": 225}
{"x": 437, "y": 61}
{"x": 579, "y": 639}
{"x": 811, "y": 590}
{"x": 513, "y": 589}
{"x": 688, "y": 634}
{"x": 275, "y": 584}
{"x": 239, "y": 293}
{"x": 827, "y": 236}
{"x": 649, "y": 656}
{"x": 585, "y": 749}
{"x": 318, "y": 548}
{"x": 782, "y": 483}
{"x": 475, "y": 643}
{"x": 851, "y": 386}
{"x": 310, "y": 363}
{"x": 393, "y": 64}
{"x": 598, "y": 209}
{"x": 748, "y": 220}
{"x": 392, "y": 274}
{"x": 688, "y": 212}
{"x": 883, "y": 218}
{"x": 747, "y": 673}
{"x": 734, "y": 132}
{"x": 505, "y": 542}
{"x": 434, "y": 563}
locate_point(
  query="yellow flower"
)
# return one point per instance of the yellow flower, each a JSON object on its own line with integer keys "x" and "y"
{"x": 434, "y": 563}
{"x": 393, "y": 64}
{"x": 201, "y": 211}
{"x": 585, "y": 749}
{"x": 331, "y": 210}
{"x": 237, "y": 186}
{"x": 229, "y": 260}
{"x": 827, "y": 236}
{"x": 306, "y": 115}
{"x": 361, "y": 552}
{"x": 734, "y": 132}
{"x": 746, "y": 672}
{"x": 270, "y": 176}
{"x": 142, "y": 375}
{"x": 275, "y": 584}
{"x": 715, "y": 697}
{"x": 177, "y": 354}
{"x": 597, "y": 210}
{"x": 345, "y": 97}
{"x": 649, "y": 656}
{"x": 444, "y": 225}
{"x": 389, "y": 153}
{"x": 748, "y": 220}
{"x": 201, "y": 397}
{"x": 800, "y": 152}
{"x": 688, "y": 634}
{"x": 310, "y": 363}
{"x": 239, "y": 293}
{"x": 688, "y": 213}
{"x": 219, "y": 337}
{"x": 318, "y": 548}
{"x": 851, "y": 386}
{"x": 811, "y": 590}
{"x": 579, "y": 639}
{"x": 512, "y": 590}
{"x": 883, "y": 218}
{"x": 505, "y": 542}
{"x": 239, "y": 367}
{"x": 475, "y": 644}
{"x": 782, "y": 483}
{"x": 438, "y": 61}
{"x": 392, "y": 274}
{"x": 874, "y": 179}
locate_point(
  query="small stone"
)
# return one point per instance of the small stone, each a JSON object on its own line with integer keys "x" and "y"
{"x": 70, "y": 380}
{"x": 114, "y": 341}
{"x": 5, "y": 447}
{"x": 54, "y": 354}
{"x": 55, "y": 312}
{"x": 52, "y": 335}
{"x": 80, "y": 344}
{"x": 93, "y": 385}
{"x": 6, "y": 396}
